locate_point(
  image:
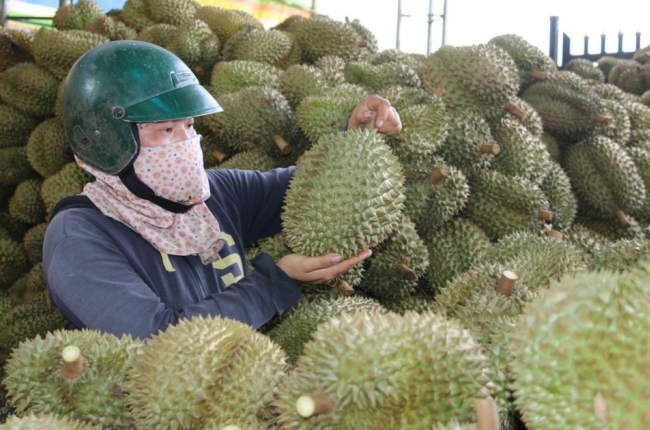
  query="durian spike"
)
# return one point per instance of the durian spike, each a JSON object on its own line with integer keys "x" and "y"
{"x": 73, "y": 362}
{"x": 438, "y": 175}
{"x": 406, "y": 272}
{"x": 219, "y": 155}
{"x": 600, "y": 408}
{"x": 553, "y": 233}
{"x": 231, "y": 427}
{"x": 487, "y": 414}
{"x": 282, "y": 144}
{"x": 308, "y": 406}
{"x": 622, "y": 218}
{"x": 344, "y": 288}
{"x": 544, "y": 215}
{"x": 602, "y": 119}
{"x": 539, "y": 75}
{"x": 439, "y": 91}
{"x": 507, "y": 282}
{"x": 514, "y": 109}
{"x": 489, "y": 148}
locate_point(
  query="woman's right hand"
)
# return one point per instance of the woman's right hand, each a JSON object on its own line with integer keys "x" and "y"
{"x": 318, "y": 270}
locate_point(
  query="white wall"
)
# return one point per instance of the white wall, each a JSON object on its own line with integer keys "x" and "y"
{"x": 472, "y": 22}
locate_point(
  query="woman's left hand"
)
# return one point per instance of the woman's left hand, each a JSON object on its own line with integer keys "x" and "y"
{"x": 387, "y": 122}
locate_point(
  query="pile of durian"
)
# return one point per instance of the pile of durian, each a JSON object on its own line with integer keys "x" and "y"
{"x": 508, "y": 222}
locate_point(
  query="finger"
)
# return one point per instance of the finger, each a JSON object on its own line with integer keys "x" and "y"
{"x": 313, "y": 264}
{"x": 342, "y": 267}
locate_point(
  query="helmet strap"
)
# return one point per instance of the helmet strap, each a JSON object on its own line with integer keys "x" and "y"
{"x": 142, "y": 190}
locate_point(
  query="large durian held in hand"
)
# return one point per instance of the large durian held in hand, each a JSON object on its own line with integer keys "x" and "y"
{"x": 581, "y": 354}
{"x": 345, "y": 196}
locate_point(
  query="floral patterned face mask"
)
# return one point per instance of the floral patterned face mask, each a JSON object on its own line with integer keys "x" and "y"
{"x": 174, "y": 171}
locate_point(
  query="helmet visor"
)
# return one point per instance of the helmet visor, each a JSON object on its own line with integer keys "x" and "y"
{"x": 184, "y": 102}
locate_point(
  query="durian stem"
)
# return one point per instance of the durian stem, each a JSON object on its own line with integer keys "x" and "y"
{"x": 10, "y": 175}
{"x": 539, "y": 75}
{"x": 439, "y": 91}
{"x": 622, "y": 218}
{"x": 282, "y": 144}
{"x": 308, "y": 406}
{"x": 199, "y": 71}
{"x": 600, "y": 408}
{"x": 406, "y": 272}
{"x": 602, "y": 119}
{"x": 544, "y": 215}
{"x": 438, "y": 175}
{"x": 363, "y": 44}
{"x": 514, "y": 109}
{"x": 487, "y": 414}
{"x": 370, "y": 125}
{"x": 220, "y": 156}
{"x": 507, "y": 282}
{"x": 344, "y": 288}
{"x": 73, "y": 362}
{"x": 554, "y": 234}
{"x": 489, "y": 148}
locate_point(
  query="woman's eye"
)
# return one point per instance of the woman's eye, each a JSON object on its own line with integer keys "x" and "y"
{"x": 190, "y": 125}
{"x": 169, "y": 130}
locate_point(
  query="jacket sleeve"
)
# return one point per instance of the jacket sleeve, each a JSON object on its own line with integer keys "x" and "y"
{"x": 95, "y": 286}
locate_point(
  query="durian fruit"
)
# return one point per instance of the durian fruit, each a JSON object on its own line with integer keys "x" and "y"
{"x": 174, "y": 12}
{"x": 630, "y": 76}
{"x": 57, "y": 51}
{"x": 33, "y": 242}
{"x": 619, "y": 129}
{"x": 30, "y": 88}
{"x": 47, "y": 148}
{"x": 134, "y": 14}
{"x": 373, "y": 370}
{"x": 215, "y": 150}
{"x": 367, "y": 38}
{"x": 229, "y": 371}
{"x": 532, "y": 63}
{"x": 403, "y": 97}
{"x": 33, "y": 421}
{"x": 621, "y": 255}
{"x": 158, "y": 34}
{"x": 249, "y": 160}
{"x": 585, "y": 68}
{"x": 552, "y": 146}
{"x": 113, "y": 29}
{"x": 326, "y": 212}
{"x": 642, "y": 56}
{"x": 454, "y": 248}
{"x": 302, "y": 320}
{"x": 612, "y": 92}
{"x": 376, "y": 77}
{"x": 79, "y": 374}
{"x": 319, "y": 115}
{"x": 68, "y": 181}
{"x": 396, "y": 263}
{"x": 77, "y": 16}
{"x": 15, "y": 47}
{"x": 14, "y": 166}
{"x": 469, "y": 145}
{"x": 254, "y": 117}
{"x": 26, "y": 205}
{"x": 196, "y": 44}
{"x": 567, "y": 105}
{"x": 320, "y": 36}
{"x": 290, "y": 24}
{"x": 424, "y": 130}
{"x": 521, "y": 153}
{"x": 226, "y": 22}
{"x": 611, "y": 228}
{"x": 605, "y": 178}
{"x": 417, "y": 303}
{"x": 254, "y": 44}
{"x": 639, "y": 125}
{"x": 645, "y": 98}
{"x": 522, "y": 111}
{"x": 15, "y": 126}
{"x": 230, "y": 76}
{"x": 482, "y": 77}
{"x": 502, "y": 204}
{"x": 557, "y": 189}
{"x": 10, "y": 226}
{"x": 26, "y": 288}
{"x": 606, "y": 63}
{"x": 333, "y": 68}
{"x": 13, "y": 262}
{"x": 301, "y": 81}
{"x": 600, "y": 320}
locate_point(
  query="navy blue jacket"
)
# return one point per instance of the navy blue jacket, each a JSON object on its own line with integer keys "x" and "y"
{"x": 103, "y": 275}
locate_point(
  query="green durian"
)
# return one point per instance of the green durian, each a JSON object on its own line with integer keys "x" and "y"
{"x": 113, "y": 29}
{"x": 226, "y": 22}
{"x": 630, "y": 76}
{"x": 621, "y": 255}
{"x": 230, "y": 76}
{"x": 77, "y": 16}
{"x": 68, "y": 181}
{"x": 15, "y": 126}
{"x": 585, "y": 68}
{"x": 376, "y": 77}
{"x": 254, "y": 44}
{"x": 606, "y": 63}
{"x": 30, "y": 88}
{"x": 618, "y": 129}
{"x": 291, "y": 23}
{"x": 320, "y": 36}
{"x": 196, "y": 44}
{"x": 26, "y": 205}
{"x": 57, "y": 51}
{"x": 532, "y": 63}
{"x": 403, "y": 97}
{"x": 48, "y": 149}
{"x": 249, "y": 160}
{"x": 33, "y": 243}
{"x": 300, "y": 81}
{"x": 158, "y": 34}
{"x": 556, "y": 186}
{"x": 232, "y": 382}
{"x": 33, "y": 421}
{"x": 13, "y": 262}
{"x": 14, "y": 166}
{"x": 174, "y": 12}
{"x": 15, "y": 47}
{"x": 333, "y": 68}
{"x": 134, "y": 14}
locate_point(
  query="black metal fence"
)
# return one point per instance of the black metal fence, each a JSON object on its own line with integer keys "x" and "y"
{"x": 566, "y": 46}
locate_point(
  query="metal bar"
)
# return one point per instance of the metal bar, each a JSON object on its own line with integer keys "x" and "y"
{"x": 430, "y": 23}
{"x": 4, "y": 12}
{"x": 620, "y": 42}
{"x": 566, "y": 49}
{"x": 399, "y": 23}
{"x": 638, "y": 40}
{"x": 552, "y": 51}
{"x": 586, "y": 47}
{"x": 64, "y": 3}
{"x": 602, "y": 44}
{"x": 444, "y": 22}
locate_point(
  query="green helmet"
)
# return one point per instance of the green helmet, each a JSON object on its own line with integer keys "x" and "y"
{"x": 118, "y": 84}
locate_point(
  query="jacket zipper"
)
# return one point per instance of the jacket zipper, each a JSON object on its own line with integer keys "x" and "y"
{"x": 196, "y": 278}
